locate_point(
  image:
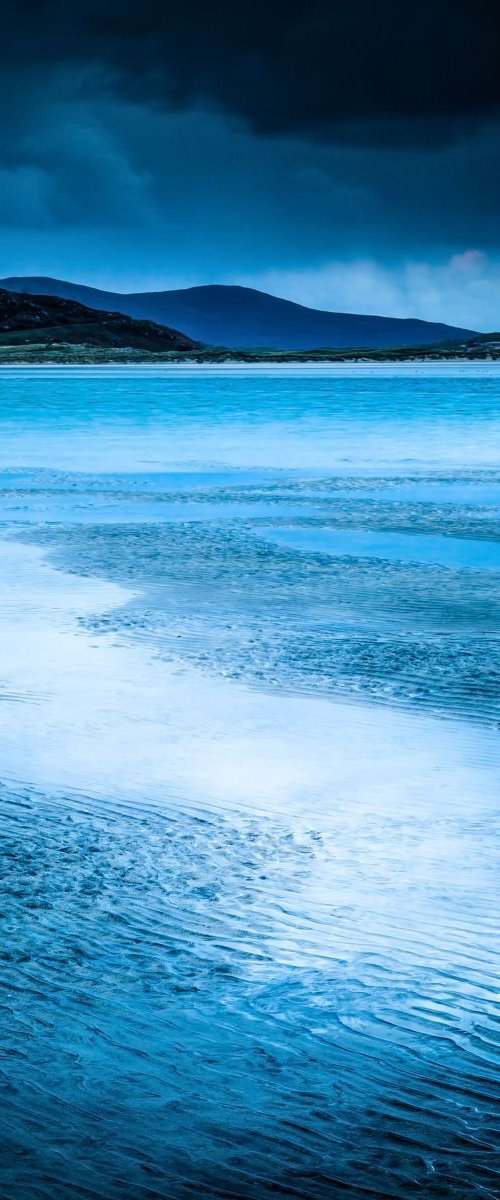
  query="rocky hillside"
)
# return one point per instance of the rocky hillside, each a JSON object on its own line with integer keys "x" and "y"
{"x": 50, "y": 321}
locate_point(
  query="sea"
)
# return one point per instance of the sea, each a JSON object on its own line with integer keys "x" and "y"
{"x": 250, "y": 783}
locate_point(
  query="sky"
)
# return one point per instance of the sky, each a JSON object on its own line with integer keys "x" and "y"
{"x": 344, "y": 155}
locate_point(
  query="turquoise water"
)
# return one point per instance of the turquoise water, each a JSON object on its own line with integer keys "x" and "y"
{"x": 249, "y": 778}
{"x": 427, "y": 548}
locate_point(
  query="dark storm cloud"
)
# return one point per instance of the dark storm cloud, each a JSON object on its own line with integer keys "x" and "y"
{"x": 342, "y": 154}
{"x": 355, "y": 71}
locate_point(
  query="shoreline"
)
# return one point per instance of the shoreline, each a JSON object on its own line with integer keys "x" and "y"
{"x": 310, "y": 367}
{"x": 183, "y": 736}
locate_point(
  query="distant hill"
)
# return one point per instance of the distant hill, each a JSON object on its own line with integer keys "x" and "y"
{"x": 27, "y": 319}
{"x": 239, "y": 317}
{"x": 49, "y": 329}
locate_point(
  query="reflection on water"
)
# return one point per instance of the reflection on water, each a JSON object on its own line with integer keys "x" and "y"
{"x": 249, "y": 870}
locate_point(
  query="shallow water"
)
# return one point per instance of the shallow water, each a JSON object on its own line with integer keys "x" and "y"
{"x": 249, "y": 764}
{"x": 430, "y": 549}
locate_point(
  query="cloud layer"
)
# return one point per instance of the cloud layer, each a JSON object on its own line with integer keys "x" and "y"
{"x": 167, "y": 143}
{"x": 463, "y": 291}
{"x": 321, "y": 68}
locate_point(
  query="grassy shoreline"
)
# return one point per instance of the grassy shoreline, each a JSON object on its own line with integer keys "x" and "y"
{"x": 80, "y": 355}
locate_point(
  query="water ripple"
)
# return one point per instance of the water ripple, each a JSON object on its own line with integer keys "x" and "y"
{"x": 150, "y": 962}
{"x": 249, "y": 940}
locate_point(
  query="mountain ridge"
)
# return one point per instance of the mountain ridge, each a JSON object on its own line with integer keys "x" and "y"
{"x": 238, "y": 317}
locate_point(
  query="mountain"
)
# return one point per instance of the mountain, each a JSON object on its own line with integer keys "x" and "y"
{"x": 27, "y": 319}
{"x": 240, "y": 317}
{"x": 42, "y": 329}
